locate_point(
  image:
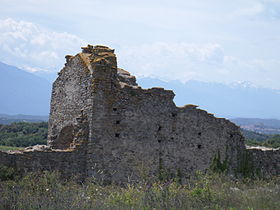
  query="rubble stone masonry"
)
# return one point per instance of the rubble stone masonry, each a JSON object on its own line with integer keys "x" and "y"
{"x": 103, "y": 125}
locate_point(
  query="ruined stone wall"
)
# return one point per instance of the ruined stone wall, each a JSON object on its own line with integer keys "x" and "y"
{"x": 103, "y": 125}
{"x": 134, "y": 129}
{"x": 68, "y": 162}
{"x": 262, "y": 162}
{"x": 201, "y": 137}
{"x": 70, "y": 104}
{"x": 148, "y": 132}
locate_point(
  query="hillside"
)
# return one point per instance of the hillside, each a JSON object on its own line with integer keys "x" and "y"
{"x": 8, "y": 119}
{"x": 259, "y": 137}
{"x": 23, "y": 92}
{"x": 263, "y": 126}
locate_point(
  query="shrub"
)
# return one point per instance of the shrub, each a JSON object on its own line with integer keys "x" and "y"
{"x": 48, "y": 190}
{"x": 7, "y": 173}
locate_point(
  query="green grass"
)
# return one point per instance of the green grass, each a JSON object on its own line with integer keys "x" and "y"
{"x": 5, "y": 148}
{"x": 49, "y": 191}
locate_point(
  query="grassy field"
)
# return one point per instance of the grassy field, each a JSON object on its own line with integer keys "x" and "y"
{"x": 49, "y": 191}
{"x": 5, "y": 148}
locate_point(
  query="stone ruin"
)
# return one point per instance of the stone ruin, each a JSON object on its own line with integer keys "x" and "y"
{"x": 103, "y": 125}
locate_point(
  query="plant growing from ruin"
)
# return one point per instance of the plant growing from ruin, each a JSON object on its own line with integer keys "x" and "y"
{"x": 219, "y": 166}
{"x": 245, "y": 166}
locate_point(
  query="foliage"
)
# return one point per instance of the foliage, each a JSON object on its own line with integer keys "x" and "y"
{"x": 7, "y": 173}
{"x": 272, "y": 141}
{"x": 23, "y": 134}
{"x": 248, "y": 134}
{"x": 259, "y": 139}
{"x": 245, "y": 166}
{"x": 48, "y": 191}
{"x": 219, "y": 166}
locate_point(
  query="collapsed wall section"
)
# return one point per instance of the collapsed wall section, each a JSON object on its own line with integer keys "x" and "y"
{"x": 261, "y": 162}
{"x": 35, "y": 159}
{"x": 196, "y": 137}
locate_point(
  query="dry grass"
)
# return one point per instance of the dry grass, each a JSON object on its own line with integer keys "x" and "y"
{"x": 49, "y": 191}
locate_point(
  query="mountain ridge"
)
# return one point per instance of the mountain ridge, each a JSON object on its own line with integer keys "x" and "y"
{"x": 23, "y": 92}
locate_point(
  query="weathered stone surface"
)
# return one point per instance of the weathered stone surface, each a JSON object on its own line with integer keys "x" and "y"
{"x": 103, "y": 124}
{"x": 67, "y": 161}
{"x": 265, "y": 161}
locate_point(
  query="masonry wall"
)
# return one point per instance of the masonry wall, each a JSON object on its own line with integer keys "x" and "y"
{"x": 69, "y": 163}
{"x": 264, "y": 163}
{"x": 136, "y": 130}
{"x": 70, "y": 104}
{"x": 103, "y": 125}
{"x": 147, "y": 132}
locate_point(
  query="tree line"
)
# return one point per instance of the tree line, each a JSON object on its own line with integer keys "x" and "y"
{"x": 23, "y": 134}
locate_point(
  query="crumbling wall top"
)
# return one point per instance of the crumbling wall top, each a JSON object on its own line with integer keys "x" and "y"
{"x": 97, "y": 49}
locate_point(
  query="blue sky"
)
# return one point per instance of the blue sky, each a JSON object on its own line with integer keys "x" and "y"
{"x": 214, "y": 41}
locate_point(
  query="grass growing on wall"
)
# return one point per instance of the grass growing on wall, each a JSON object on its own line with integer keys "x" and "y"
{"x": 49, "y": 191}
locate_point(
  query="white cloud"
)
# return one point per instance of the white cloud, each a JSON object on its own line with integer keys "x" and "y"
{"x": 32, "y": 47}
{"x": 186, "y": 61}
{"x": 261, "y": 10}
{"x": 35, "y": 48}
{"x": 180, "y": 61}
{"x": 253, "y": 10}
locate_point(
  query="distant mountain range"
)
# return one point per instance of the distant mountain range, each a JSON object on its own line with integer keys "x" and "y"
{"x": 263, "y": 126}
{"x": 22, "y": 92}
